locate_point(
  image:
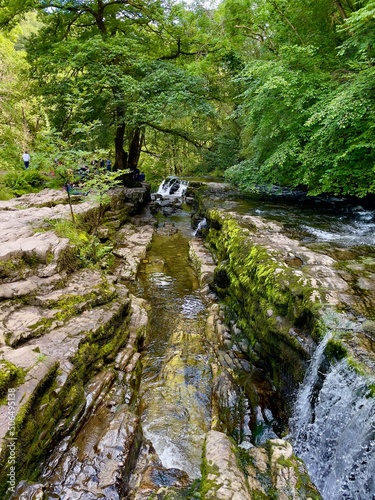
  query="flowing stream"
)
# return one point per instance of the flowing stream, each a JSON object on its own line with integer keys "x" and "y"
{"x": 176, "y": 380}
{"x": 333, "y": 431}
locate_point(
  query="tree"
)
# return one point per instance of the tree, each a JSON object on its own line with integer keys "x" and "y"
{"x": 15, "y": 110}
{"x": 307, "y": 108}
{"x": 119, "y": 64}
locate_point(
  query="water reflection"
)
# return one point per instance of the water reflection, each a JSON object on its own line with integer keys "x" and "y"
{"x": 176, "y": 379}
{"x": 192, "y": 306}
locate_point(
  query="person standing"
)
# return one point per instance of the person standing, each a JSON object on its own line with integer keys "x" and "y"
{"x": 26, "y": 159}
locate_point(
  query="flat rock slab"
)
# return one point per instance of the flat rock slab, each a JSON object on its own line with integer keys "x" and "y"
{"x": 131, "y": 246}
{"x": 50, "y": 308}
{"x": 46, "y": 197}
{"x": 24, "y": 251}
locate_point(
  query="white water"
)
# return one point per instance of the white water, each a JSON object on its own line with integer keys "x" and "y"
{"x": 334, "y": 430}
{"x": 172, "y": 186}
{"x": 201, "y": 225}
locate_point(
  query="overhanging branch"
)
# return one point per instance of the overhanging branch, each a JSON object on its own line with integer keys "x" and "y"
{"x": 177, "y": 133}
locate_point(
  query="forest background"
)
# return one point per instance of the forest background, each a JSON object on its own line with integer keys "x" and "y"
{"x": 267, "y": 92}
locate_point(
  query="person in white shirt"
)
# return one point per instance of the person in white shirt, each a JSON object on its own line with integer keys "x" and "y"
{"x": 26, "y": 159}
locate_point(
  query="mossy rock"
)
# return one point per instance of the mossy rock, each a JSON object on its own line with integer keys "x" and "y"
{"x": 10, "y": 375}
{"x": 335, "y": 350}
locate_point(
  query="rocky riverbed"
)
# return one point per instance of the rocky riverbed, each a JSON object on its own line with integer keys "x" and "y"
{"x": 73, "y": 353}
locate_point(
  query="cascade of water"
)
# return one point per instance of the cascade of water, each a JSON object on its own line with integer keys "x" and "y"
{"x": 201, "y": 225}
{"x": 334, "y": 429}
{"x": 173, "y": 186}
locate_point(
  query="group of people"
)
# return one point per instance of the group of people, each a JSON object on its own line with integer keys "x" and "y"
{"x": 83, "y": 171}
{"x": 138, "y": 176}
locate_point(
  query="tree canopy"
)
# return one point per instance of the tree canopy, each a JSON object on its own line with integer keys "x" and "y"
{"x": 267, "y": 92}
{"x": 307, "y": 107}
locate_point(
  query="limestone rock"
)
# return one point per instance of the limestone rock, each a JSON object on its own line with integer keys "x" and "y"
{"x": 131, "y": 246}
{"x": 223, "y": 479}
{"x": 69, "y": 324}
{"x": 276, "y": 468}
{"x": 202, "y": 261}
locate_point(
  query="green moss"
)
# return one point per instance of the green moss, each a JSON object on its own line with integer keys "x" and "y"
{"x": 244, "y": 460}
{"x": 70, "y": 305}
{"x": 83, "y": 250}
{"x": 9, "y": 268}
{"x": 30, "y": 417}
{"x": 285, "y": 462}
{"x": 31, "y": 259}
{"x": 371, "y": 391}
{"x": 269, "y": 300}
{"x": 37, "y": 424}
{"x": 335, "y": 350}
{"x": 41, "y": 326}
{"x": 355, "y": 365}
{"x": 10, "y": 376}
{"x": 304, "y": 485}
{"x": 208, "y": 485}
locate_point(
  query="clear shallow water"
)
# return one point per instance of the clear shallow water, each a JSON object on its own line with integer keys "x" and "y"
{"x": 313, "y": 221}
{"x": 176, "y": 379}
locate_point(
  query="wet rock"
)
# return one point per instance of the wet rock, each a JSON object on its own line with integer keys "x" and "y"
{"x": 226, "y": 403}
{"x": 202, "y": 261}
{"x": 276, "y": 469}
{"x": 94, "y": 466}
{"x": 138, "y": 487}
{"x": 26, "y": 491}
{"x": 156, "y": 476}
{"x": 137, "y": 331}
{"x": 222, "y": 479}
{"x": 131, "y": 246}
{"x": 167, "y": 229}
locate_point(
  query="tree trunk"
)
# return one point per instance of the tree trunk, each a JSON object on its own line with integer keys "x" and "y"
{"x": 135, "y": 148}
{"x": 341, "y": 9}
{"x": 121, "y": 157}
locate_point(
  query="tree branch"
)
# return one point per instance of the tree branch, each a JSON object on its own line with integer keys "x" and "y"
{"x": 274, "y": 3}
{"x": 341, "y": 9}
{"x": 183, "y": 135}
{"x": 180, "y": 52}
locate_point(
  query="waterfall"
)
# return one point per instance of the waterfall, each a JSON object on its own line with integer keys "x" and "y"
{"x": 333, "y": 429}
{"x": 201, "y": 225}
{"x": 173, "y": 186}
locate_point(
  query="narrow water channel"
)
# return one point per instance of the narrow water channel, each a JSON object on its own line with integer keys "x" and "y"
{"x": 176, "y": 380}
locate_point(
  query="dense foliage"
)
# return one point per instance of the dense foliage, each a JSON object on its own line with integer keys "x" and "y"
{"x": 308, "y": 101}
{"x": 268, "y": 92}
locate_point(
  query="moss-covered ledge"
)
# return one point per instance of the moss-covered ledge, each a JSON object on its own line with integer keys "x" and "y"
{"x": 276, "y": 291}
